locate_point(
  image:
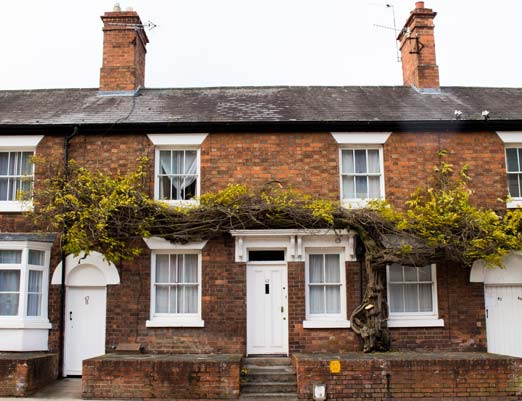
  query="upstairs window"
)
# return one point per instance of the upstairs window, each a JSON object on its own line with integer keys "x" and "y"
{"x": 16, "y": 175}
{"x": 178, "y": 175}
{"x": 514, "y": 172}
{"x": 361, "y": 174}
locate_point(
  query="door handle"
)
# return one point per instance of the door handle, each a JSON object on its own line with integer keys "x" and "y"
{"x": 70, "y": 315}
{"x": 282, "y": 309}
{"x": 487, "y": 315}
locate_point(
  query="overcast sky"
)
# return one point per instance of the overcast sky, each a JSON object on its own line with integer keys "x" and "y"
{"x": 58, "y": 43}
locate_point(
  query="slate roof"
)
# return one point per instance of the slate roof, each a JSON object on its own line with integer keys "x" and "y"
{"x": 256, "y": 104}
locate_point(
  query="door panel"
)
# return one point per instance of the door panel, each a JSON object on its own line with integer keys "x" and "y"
{"x": 85, "y": 326}
{"x": 504, "y": 319}
{"x": 267, "y": 309}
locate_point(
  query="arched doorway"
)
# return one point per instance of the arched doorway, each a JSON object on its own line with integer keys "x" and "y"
{"x": 86, "y": 281}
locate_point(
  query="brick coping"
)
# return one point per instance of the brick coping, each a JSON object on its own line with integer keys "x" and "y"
{"x": 403, "y": 356}
{"x": 203, "y": 358}
{"x": 24, "y": 356}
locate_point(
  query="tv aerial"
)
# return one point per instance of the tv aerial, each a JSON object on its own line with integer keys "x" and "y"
{"x": 392, "y": 28}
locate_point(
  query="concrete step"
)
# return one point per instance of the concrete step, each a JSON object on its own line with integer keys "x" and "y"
{"x": 267, "y": 370}
{"x": 268, "y": 397}
{"x": 269, "y": 388}
{"x": 267, "y": 361}
{"x": 268, "y": 377}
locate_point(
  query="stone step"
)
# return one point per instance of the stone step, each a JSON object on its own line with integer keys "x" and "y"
{"x": 266, "y": 388}
{"x": 267, "y": 370}
{"x": 269, "y": 397}
{"x": 267, "y": 361}
{"x": 268, "y": 377}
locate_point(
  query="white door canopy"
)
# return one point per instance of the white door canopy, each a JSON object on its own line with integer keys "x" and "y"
{"x": 87, "y": 271}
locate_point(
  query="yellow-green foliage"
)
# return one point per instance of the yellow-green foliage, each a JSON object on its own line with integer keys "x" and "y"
{"x": 96, "y": 211}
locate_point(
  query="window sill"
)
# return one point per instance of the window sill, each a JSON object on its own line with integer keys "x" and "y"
{"x": 13, "y": 324}
{"x": 15, "y": 206}
{"x": 326, "y": 324}
{"x": 514, "y": 203}
{"x": 180, "y": 203}
{"x": 357, "y": 203}
{"x": 174, "y": 323}
{"x": 415, "y": 322}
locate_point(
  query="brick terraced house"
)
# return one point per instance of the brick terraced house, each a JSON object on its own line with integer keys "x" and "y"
{"x": 183, "y": 321}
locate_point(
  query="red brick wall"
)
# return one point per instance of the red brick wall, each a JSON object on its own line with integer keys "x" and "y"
{"x": 21, "y": 374}
{"x": 167, "y": 377}
{"x": 409, "y": 159}
{"x": 408, "y": 377}
{"x": 305, "y": 161}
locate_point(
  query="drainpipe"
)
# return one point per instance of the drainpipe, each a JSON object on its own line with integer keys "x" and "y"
{"x": 66, "y": 144}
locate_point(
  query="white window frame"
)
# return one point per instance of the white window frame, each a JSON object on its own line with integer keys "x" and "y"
{"x": 21, "y": 320}
{"x": 360, "y": 203}
{"x": 326, "y": 320}
{"x": 185, "y": 202}
{"x": 416, "y": 319}
{"x": 513, "y": 202}
{"x": 174, "y": 319}
{"x": 19, "y": 143}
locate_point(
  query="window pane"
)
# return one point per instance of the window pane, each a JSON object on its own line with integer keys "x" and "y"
{"x": 13, "y": 162}
{"x": 316, "y": 299}
{"x": 396, "y": 298}
{"x": 514, "y": 188}
{"x": 316, "y": 269}
{"x": 425, "y": 273}
{"x": 178, "y": 276}
{"x": 348, "y": 187}
{"x": 177, "y": 162}
{"x": 162, "y": 299}
{"x": 177, "y": 293}
{"x": 189, "y": 187}
{"x": 425, "y": 298}
{"x": 512, "y": 159}
{"x": 9, "y": 304}
{"x": 4, "y": 182}
{"x": 162, "y": 268}
{"x": 360, "y": 161}
{"x": 410, "y": 273}
{"x": 191, "y": 166}
{"x": 411, "y": 298}
{"x": 10, "y": 257}
{"x": 177, "y": 187}
{"x": 361, "y": 186}
{"x": 14, "y": 189}
{"x": 4, "y": 159}
{"x": 27, "y": 165}
{"x": 373, "y": 161}
{"x": 332, "y": 270}
{"x": 36, "y": 257}
{"x": 165, "y": 160}
{"x": 347, "y": 162}
{"x": 165, "y": 187}
{"x": 333, "y": 299}
{"x": 191, "y": 299}
{"x": 10, "y": 280}
{"x": 396, "y": 272}
{"x": 191, "y": 269}
{"x": 374, "y": 187}
{"x": 35, "y": 281}
{"x": 34, "y": 302}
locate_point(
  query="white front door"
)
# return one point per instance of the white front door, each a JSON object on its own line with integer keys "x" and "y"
{"x": 267, "y": 308}
{"x": 84, "y": 326}
{"x": 504, "y": 319}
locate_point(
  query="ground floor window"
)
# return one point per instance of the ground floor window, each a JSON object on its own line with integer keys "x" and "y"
{"x": 325, "y": 288}
{"x": 412, "y": 294}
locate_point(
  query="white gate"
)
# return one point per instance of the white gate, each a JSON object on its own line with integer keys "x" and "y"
{"x": 504, "y": 319}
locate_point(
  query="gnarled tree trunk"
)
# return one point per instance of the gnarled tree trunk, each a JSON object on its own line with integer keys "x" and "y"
{"x": 369, "y": 319}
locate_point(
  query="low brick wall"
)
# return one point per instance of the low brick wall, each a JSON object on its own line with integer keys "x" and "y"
{"x": 23, "y": 373}
{"x": 162, "y": 376}
{"x": 407, "y": 376}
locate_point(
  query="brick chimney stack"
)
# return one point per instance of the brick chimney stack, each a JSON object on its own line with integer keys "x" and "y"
{"x": 124, "y": 50}
{"x": 417, "y": 44}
